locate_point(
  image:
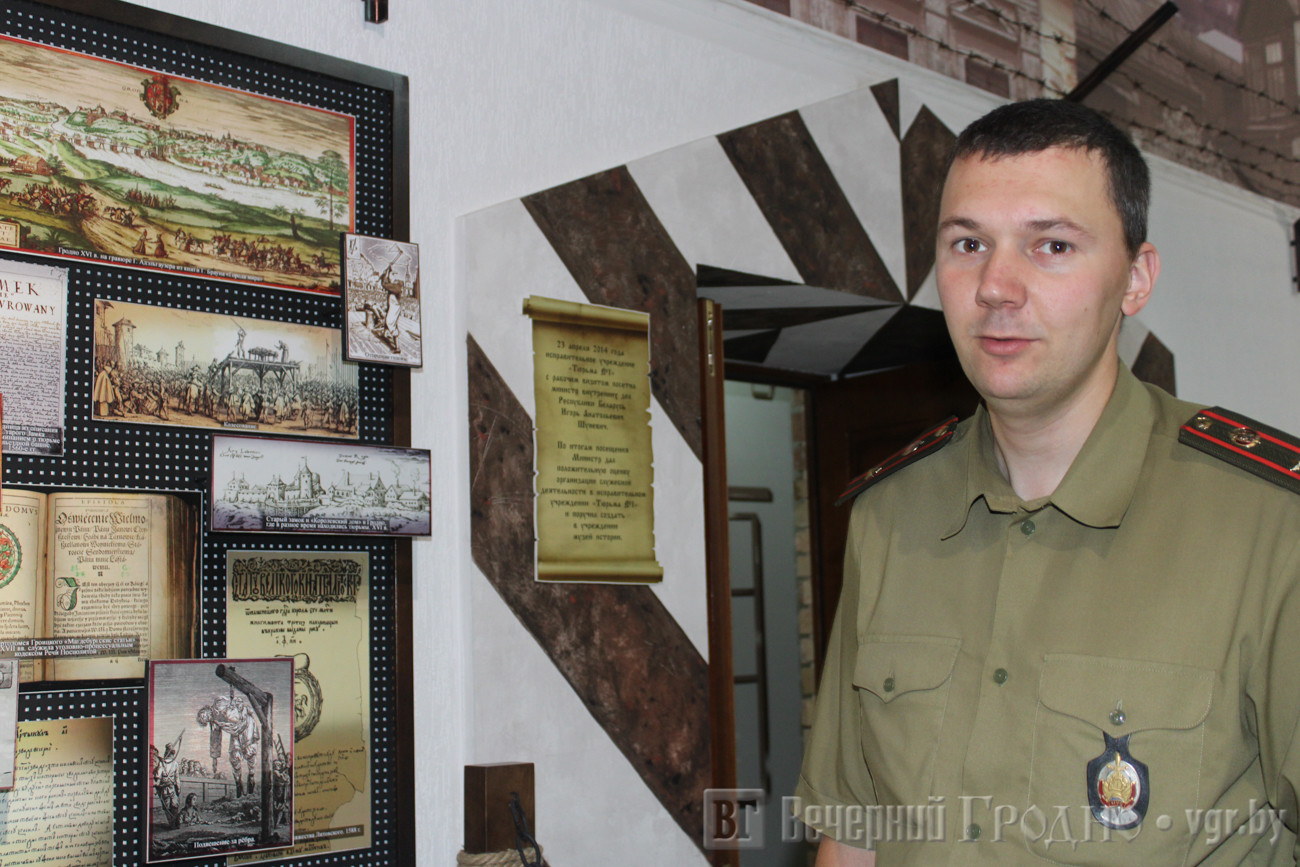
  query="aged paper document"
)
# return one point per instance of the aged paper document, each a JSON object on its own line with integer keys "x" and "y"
{"x": 60, "y": 810}
{"x": 315, "y": 607}
{"x": 595, "y": 466}
{"x": 33, "y": 300}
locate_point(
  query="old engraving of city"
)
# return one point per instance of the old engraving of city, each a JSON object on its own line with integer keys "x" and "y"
{"x": 267, "y": 485}
{"x": 113, "y": 163}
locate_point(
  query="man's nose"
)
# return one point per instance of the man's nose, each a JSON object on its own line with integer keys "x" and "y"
{"x": 1002, "y": 282}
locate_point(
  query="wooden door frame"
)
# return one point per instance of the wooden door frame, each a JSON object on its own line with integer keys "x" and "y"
{"x": 717, "y": 557}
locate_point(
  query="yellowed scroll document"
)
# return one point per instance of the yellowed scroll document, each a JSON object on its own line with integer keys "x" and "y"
{"x": 595, "y": 465}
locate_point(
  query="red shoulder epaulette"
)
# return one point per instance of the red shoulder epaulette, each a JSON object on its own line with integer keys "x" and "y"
{"x": 926, "y": 444}
{"x": 1245, "y": 443}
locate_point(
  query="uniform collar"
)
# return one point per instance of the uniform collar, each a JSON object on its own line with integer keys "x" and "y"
{"x": 1100, "y": 483}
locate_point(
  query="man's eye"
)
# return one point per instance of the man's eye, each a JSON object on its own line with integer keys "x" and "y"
{"x": 969, "y": 245}
{"x": 1056, "y": 248}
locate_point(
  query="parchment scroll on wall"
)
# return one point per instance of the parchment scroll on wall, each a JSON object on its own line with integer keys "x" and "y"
{"x": 595, "y": 466}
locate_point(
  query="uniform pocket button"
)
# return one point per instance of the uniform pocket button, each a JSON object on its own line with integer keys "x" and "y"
{"x": 1000, "y": 676}
{"x": 889, "y": 684}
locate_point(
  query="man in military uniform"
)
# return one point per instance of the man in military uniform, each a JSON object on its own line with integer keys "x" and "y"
{"x": 1070, "y": 625}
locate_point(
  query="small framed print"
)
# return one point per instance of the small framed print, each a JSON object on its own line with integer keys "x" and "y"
{"x": 381, "y": 301}
{"x": 228, "y": 786}
{"x": 263, "y": 485}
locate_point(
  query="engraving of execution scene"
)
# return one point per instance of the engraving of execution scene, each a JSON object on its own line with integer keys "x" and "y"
{"x": 220, "y": 774}
{"x": 381, "y": 294}
{"x": 266, "y": 485}
{"x": 158, "y": 365}
{"x": 113, "y": 163}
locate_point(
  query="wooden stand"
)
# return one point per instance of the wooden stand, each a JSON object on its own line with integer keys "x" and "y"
{"x": 488, "y": 826}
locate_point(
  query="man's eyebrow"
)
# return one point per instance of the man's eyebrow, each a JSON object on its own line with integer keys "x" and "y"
{"x": 1034, "y": 225}
{"x": 1058, "y": 223}
{"x": 959, "y": 223}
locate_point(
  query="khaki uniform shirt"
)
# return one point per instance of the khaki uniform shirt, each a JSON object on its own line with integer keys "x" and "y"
{"x": 983, "y": 644}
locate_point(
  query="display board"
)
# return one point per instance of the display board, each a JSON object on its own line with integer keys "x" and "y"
{"x": 238, "y": 277}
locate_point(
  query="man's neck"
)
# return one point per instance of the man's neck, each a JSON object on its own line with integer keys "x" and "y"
{"x": 1035, "y": 449}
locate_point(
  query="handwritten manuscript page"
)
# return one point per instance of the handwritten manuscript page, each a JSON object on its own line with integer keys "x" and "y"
{"x": 60, "y": 810}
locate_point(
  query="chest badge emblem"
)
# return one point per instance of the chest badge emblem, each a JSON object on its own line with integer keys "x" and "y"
{"x": 1119, "y": 787}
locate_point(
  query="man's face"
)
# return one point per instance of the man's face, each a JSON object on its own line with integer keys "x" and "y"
{"x": 1033, "y": 275}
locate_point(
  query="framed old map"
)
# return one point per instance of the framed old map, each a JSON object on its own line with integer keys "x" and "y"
{"x": 119, "y": 164}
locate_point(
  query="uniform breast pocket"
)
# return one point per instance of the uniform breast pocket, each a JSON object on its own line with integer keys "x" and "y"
{"x": 902, "y": 684}
{"x": 1161, "y": 709}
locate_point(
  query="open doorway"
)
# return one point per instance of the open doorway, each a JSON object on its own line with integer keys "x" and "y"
{"x": 793, "y": 443}
{"x": 764, "y": 502}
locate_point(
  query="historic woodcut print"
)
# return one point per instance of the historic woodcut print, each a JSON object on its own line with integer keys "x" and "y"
{"x": 33, "y": 307}
{"x": 159, "y": 365}
{"x": 117, "y": 164}
{"x": 381, "y": 300}
{"x": 220, "y": 772}
{"x": 266, "y": 485}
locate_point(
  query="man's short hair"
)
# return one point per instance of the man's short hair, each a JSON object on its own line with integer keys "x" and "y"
{"x": 1038, "y": 124}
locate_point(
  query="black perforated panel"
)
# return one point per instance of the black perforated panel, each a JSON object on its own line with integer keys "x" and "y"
{"x": 152, "y": 458}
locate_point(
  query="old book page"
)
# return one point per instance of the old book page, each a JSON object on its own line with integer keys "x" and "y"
{"x": 315, "y": 607}
{"x": 60, "y": 811}
{"x": 22, "y": 571}
{"x": 8, "y": 720}
{"x": 119, "y": 565}
{"x": 595, "y": 464}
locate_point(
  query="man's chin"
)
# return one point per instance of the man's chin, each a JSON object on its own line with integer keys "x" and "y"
{"x": 1007, "y": 390}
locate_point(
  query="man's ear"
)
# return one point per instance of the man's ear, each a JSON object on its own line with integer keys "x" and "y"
{"x": 1142, "y": 279}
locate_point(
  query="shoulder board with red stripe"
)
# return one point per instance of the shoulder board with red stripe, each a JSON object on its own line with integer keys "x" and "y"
{"x": 926, "y": 444}
{"x": 1246, "y": 444}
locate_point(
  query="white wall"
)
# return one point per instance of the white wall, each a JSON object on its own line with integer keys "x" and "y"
{"x": 581, "y": 775}
{"x": 1225, "y": 303}
{"x": 513, "y": 96}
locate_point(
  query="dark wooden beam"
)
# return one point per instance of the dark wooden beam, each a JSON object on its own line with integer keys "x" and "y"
{"x": 1112, "y": 62}
{"x": 744, "y": 371}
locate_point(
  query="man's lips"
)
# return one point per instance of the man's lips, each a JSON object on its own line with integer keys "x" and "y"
{"x": 1003, "y": 346}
